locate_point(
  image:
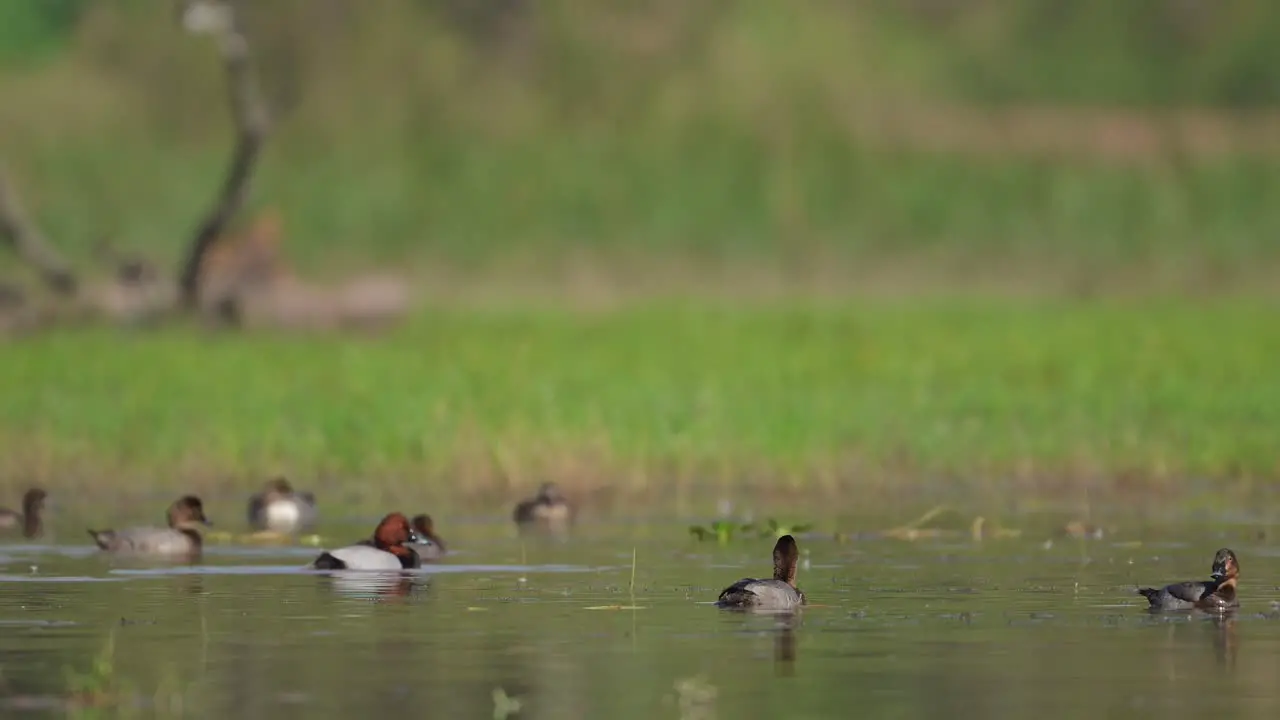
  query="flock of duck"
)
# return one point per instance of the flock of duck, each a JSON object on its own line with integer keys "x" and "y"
{"x": 399, "y": 543}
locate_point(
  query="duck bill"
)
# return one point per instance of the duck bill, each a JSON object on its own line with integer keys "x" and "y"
{"x": 415, "y": 537}
{"x": 1219, "y": 573}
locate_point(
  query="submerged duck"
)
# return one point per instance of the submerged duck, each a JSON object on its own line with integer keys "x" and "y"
{"x": 1218, "y": 593}
{"x": 387, "y": 550}
{"x": 182, "y": 537}
{"x": 29, "y": 519}
{"x": 279, "y": 509}
{"x": 429, "y": 545}
{"x": 548, "y": 509}
{"x": 777, "y": 593}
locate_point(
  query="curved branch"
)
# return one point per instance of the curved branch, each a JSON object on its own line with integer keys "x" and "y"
{"x": 218, "y": 18}
{"x": 25, "y": 238}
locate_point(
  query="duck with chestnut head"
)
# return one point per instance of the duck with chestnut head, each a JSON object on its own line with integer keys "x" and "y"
{"x": 1217, "y": 594}
{"x": 389, "y": 549}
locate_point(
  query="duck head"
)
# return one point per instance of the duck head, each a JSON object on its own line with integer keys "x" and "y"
{"x": 786, "y": 556}
{"x": 277, "y": 487}
{"x": 425, "y": 528}
{"x": 550, "y": 493}
{"x": 33, "y": 500}
{"x": 187, "y": 511}
{"x": 1225, "y": 565}
{"x": 393, "y": 532}
{"x": 32, "y": 508}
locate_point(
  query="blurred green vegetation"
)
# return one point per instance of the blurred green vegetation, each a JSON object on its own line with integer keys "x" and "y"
{"x": 649, "y": 399}
{"x": 528, "y": 136}
{"x": 1143, "y": 52}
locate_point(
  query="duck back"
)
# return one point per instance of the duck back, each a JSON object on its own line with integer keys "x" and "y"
{"x": 155, "y": 541}
{"x": 767, "y": 594}
{"x": 1184, "y": 595}
{"x": 364, "y": 557}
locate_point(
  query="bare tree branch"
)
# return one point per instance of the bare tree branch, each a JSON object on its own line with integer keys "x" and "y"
{"x": 25, "y": 238}
{"x": 218, "y": 18}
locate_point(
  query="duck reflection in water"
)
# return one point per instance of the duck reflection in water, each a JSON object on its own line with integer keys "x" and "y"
{"x": 1225, "y": 646}
{"x": 784, "y": 645}
{"x": 376, "y": 586}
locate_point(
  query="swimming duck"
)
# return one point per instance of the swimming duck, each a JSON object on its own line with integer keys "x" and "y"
{"x": 182, "y": 537}
{"x": 387, "y": 550}
{"x": 279, "y": 509}
{"x": 29, "y": 518}
{"x": 1217, "y": 593}
{"x": 548, "y": 509}
{"x": 430, "y": 546}
{"x": 777, "y": 593}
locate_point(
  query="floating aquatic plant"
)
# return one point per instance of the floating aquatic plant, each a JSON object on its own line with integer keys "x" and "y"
{"x": 97, "y": 687}
{"x": 504, "y": 704}
{"x": 722, "y": 531}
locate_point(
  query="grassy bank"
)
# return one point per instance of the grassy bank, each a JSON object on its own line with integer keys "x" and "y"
{"x": 667, "y": 397}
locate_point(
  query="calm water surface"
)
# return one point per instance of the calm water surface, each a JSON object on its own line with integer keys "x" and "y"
{"x": 543, "y": 629}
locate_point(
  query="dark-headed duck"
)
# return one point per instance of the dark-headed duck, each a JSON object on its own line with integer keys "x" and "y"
{"x": 277, "y": 508}
{"x": 776, "y": 593}
{"x": 182, "y": 537}
{"x": 29, "y": 519}
{"x": 430, "y": 546}
{"x": 548, "y": 509}
{"x": 387, "y": 551}
{"x": 1216, "y": 594}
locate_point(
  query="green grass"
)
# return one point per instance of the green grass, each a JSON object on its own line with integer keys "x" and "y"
{"x": 632, "y": 207}
{"x": 654, "y": 398}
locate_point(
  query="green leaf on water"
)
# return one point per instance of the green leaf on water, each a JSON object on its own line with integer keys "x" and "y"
{"x": 723, "y": 531}
{"x": 503, "y": 704}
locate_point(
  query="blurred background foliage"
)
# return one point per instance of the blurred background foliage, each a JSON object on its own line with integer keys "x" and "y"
{"x": 1076, "y": 137}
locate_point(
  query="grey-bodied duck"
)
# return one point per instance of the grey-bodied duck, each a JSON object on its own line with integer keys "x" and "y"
{"x": 1217, "y": 594}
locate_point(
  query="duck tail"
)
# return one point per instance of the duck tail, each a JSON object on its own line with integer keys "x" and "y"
{"x": 1149, "y": 593}
{"x": 102, "y": 537}
{"x": 328, "y": 562}
{"x": 735, "y": 598}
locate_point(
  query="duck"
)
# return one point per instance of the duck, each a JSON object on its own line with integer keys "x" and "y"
{"x": 29, "y": 519}
{"x": 776, "y": 593}
{"x": 182, "y": 537}
{"x": 548, "y": 509}
{"x": 386, "y": 551}
{"x": 430, "y": 546}
{"x": 277, "y": 508}
{"x": 1216, "y": 594}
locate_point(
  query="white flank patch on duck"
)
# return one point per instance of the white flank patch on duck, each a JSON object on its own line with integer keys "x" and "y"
{"x": 363, "y": 557}
{"x": 283, "y": 515}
